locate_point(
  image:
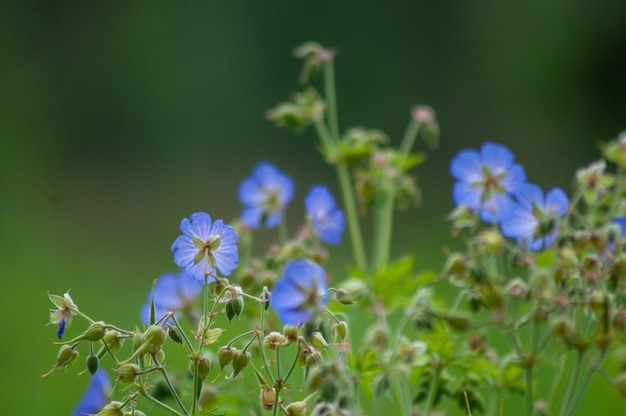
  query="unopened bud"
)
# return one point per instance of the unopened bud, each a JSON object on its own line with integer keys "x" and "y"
{"x": 267, "y": 396}
{"x": 111, "y": 409}
{"x": 238, "y": 305}
{"x": 458, "y": 323}
{"x": 517, "y": 288}
{"x": 126, "y": 373}
{"x": 491, "y": 241}
{"x": 351, "y": 291}
{"x": 66, "y": 356}
{"x": 342, "y": 329}
{"x": 95, "y": 332}
{"x": 225, "y": 355}
{"x": 313, "y": 359}
{"x": 317, "y": 339}
{"x": 174, "y": 335}
{"x": 597, "y": 301}
{"x": 291, "y": 332}
{"x": 155, "y": 337}
{"x": 240, "y": 361}
{"x": 203, "y": 364}
{"x": 138, "y": 340}
{"x": 113, "y": 339}
{"x": 230, "y": 311}
{"x": 92, "y": 363}
{"x": 296, "y": 409}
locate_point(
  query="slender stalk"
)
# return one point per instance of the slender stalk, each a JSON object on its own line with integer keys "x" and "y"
{"x": 182, "y": 333}
{"x": 558, "y": 380}
{"x": 432, "y": 392}
{"x": 170, "y": 385}
{"x": 585, "y": 383}
{"x": 572, "y": 385}
{"x": 160, "y": 403}
{"x": 330, "y": 93}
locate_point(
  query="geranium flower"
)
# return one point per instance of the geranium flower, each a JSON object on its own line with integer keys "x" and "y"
{"x": 486, "y": 180}
{"x": 66, "y": 309}
{"x": 205, "y": 246}
{"x": 171, "y": 291}
{"x": 534, "y": 220}
{"x": 300, "y": 292}
{"x": 328, "y": 220}
{"x": 265, "y": 196}
{"x": 94, "y": 398}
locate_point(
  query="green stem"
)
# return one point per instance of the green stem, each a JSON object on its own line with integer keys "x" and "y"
{"x": 283, "y": 235}
{"x": 585, "y": 383}
{"x": 572, "y": 385}
{"x": 160, "y": 403}
{"x": 558, "y": 379}
{"x": 182, "y": 333}
{"x": 330, "y": 93}
{"x": 293, "y": 364}
{"x": 530, "y": 401}
{"x": 432, "y": 392}
{"x": 170, "y": 385}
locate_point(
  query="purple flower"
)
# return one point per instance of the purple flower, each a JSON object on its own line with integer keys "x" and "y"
{"x": 171, "y": 291}
{"x": 300, "y": 292}
{"x": 265, "y": 196}
{"x": 94, "y": 398}
{"x": 486, "y": 180}
{"x": 205, "y": 246}
{"x": 328, "y": 219}
{"x": 534, "y": 220}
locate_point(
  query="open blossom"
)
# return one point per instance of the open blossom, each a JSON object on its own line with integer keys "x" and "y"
{"x": 265, "y": 196}
{"x": 534, "y": 220}
{"x": 95, "y": 397}
{"x": 487, "y": 180}
{"x": 66, "y": 309}
{"x": 171, "y": 291}
{"x": 328, "y": 220}
{"x": 300, "y": 292}
{"x": 205, "y": 246}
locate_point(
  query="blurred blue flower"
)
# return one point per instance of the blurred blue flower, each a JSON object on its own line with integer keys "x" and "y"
{"x": 265, "y": 196}
{"x": 621, "y": 221}
{"x": 534, "y": 220}
{"x": 171, "y": 291}
{"x": 300, "y": 292}
{"x": 205, "y": 246}
{"x": 94, "y": 398}
{"x": 486, "y": 180}
{"x": 328, "y": 219}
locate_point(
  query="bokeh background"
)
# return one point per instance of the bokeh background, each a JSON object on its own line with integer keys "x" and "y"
{"x": 118, "y": 119}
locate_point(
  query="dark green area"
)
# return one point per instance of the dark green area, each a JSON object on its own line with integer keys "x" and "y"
{"x": 118, "y": 119}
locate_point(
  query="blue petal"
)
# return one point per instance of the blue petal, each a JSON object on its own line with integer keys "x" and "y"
{"x": 94, "y": 398}
{"x": 184, "y": 251}
{"x": 621, "y": 221}
{"x": 514, "y": 179}
{"x": 330, "y": 227}
{"x": 556, "y": 202}
{"x": 252, "y": 216}
{"x": 464, "y": 193}
{"x": 61, "y": 330}
{"x": 466, "y": 166}
{"x": 496, "y": 157}
{"x": 521, "y": 224}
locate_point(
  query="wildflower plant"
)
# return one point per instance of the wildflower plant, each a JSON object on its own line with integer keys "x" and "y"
{"x": 539, "y": 290}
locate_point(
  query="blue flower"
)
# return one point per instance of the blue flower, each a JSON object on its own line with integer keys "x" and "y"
{"x": 486, "y": 180}
{"x": 205, "y": 246}
{"x": 66, "y": 309}
{"x": 94, "y": 398}
{"x": 300, "y": 292}
{"x": 265, "y": 196}
{"x": 171, "y": 291}
{"x": 534, "y": 220}
{"x": 621, "y": 221}
{"x": 328, "y": 219}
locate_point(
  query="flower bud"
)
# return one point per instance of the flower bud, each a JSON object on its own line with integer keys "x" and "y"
{"x": 238, "y": 305}
{"x": 126, "y": 373}
{"x": 111, "y": 409}
{"x": 66, "y": 356}
{"x": 458, "y": 323}
{"x": 342, "y": 329}
{"x": 296, "y": 409}
{"x": 138, "y": 340}
{"x": 563, "y": 327}
{"x": 351, "y": 291}
{"x": 95, "y": 332}
{"x": 517, "y": 288}
{"x": 135, "y": 413}
{"x": 597, "y": 301}
{"x": 204, "y": 366}
{"x": 313, "y": 359}
{"x": 225, "y": 355}
{"x": 274, "y": 340}
{"x": 230, "y": 311}
{"x": 174, "y": 334}
{"x": 155, "y": 337}
{"x": 317, "y": 339}
{"x": 491, "y": 241}
{"x": 291, "y": 332}
{"x": 92, "y": 364}
{"x": 113, "y": 339}
{"x": 267, "y": 395}
{"x": 240, "y": 361}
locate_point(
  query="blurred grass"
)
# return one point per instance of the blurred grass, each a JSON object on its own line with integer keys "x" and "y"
{"x": 118, "y": 119}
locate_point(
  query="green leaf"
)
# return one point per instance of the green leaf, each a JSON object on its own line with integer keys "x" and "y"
{"x": 397, "y": 281}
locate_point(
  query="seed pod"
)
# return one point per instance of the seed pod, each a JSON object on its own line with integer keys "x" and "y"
{"x": 95, "y": 332}
{"x": 296, "y": 409}
{"x": 274, "y": 340}
{"x": 237, "y": 305}
{"x": 230, "y": 311}
{"x": 66, "y": 356}
{"x": 113, "y": 339}
{"x": 126, "y": 373}
{"x": 240, "y": 361}
{"x": 317, "y": 339}
{"x": 291, "y": 332}
{"x": 155, "y": 337}
{"x": 342, "y": 329}
{"x": 267, "y": 395}
{"x": 111, "y": 409}
{"x": 204, "y": 366}
{"x": 225, "y": 355}
{"x": 174, "y": 334}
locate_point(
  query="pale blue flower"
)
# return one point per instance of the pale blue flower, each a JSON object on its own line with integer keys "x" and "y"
{"x": 206, "y": 246}
{"x": 328, "y": 220}
{"x": 94, "y": 398}
{"x": 171, "y": 291}
{"x": 265, "y": 196}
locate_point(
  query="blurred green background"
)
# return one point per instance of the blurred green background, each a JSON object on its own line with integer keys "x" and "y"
{"x": 120, "y": 118}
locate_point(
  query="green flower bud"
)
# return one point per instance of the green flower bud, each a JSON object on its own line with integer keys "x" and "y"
{"x": 230, "y": 311}
{"x": 155, "y": 337}
{"x": 267, "y": 395}
{"x": 458, "y": 323}
{"x": 237, "y": 303}
{"x": 351, "y": 291}
{"x": 126, "y": 373}
{"x": 111, "y": 409}
{"x": 174, "y": 334}
{"x": 342, "y": 329}
{"x": 240, "y": 361}
{"x": 225, "y": 355}
{"x": 296, "y": 409}
{"x": 313, "y": 359}
{"x": 95, "y": 332}
{"x": 138, "y": 340}
{"x": 274, "y": 340}
{"x": 291, "y": 332}
{"x": 113, "y": 339}
{"x": 317, "y": 339}
{"x": 92, "y": 364}
{"x": 204, "y": 366}
{"x": 66, "y": 356}
{"x": 491, "y": 241}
